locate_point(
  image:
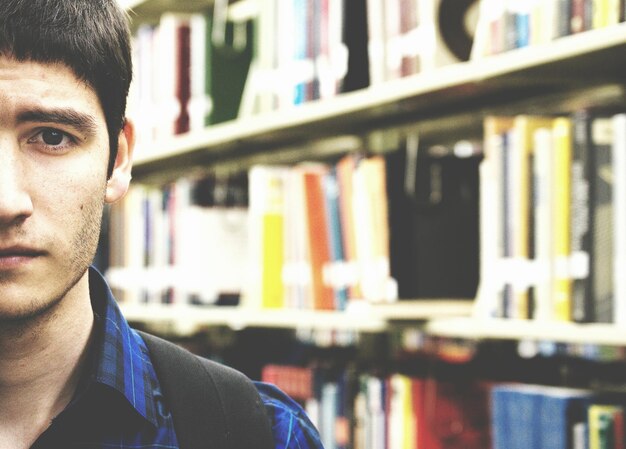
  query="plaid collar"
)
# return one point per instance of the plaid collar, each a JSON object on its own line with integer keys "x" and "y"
{"x": 121, "y": 358}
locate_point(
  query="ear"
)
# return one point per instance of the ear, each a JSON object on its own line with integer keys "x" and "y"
{"x": 117, "y": 184}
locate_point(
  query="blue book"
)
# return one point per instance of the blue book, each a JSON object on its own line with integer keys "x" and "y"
{"x": 561, "y": 409}
{"x": 335, "y": 237}
{"x": 516, "y": 416}
{"x": 499, "y": 422}
{"x": 301, "y": 41}
{"x": 522, "y": 23}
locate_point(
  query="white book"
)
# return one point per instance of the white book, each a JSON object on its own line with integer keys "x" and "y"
{"x": 200, "y": 103}
{"x": 297, "y": 268}
{"x": 489, "y": 303}
{"x": 376, "y": 41}
{"x": 544, "y": 207}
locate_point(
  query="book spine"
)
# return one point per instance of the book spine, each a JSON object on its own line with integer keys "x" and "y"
{"x": 602, "y": 199}
{"x": 619, "y": 216}
{"x": 318, "y": 246}
{"x": 582, "y": 301}
{"x": 336, "y": 267}
{"x": 577, "y": 21}
{"x": 563, "y": 18}
{"x": 543, "y": 173}
{"x": 561, "y": 231}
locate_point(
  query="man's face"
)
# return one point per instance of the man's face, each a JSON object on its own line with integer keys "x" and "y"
{"x": 53, "y": 184}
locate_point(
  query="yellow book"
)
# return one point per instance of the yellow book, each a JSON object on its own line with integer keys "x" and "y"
{"x": 267, "y": 229}
{"x": 524, "y": 127}
{"x": 401, "y": 413}
{"x": 612, "y": 12}
{"x": 600, "y": 13}
{"x": 562, "y": 296}
{"x": 601, "y": 419}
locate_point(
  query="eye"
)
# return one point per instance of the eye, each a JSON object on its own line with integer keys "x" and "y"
{"x": 52, "y": 140}
{"x": 52, "y": 137}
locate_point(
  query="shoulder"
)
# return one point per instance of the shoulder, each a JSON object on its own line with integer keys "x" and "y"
{"x": 291, "y": 427}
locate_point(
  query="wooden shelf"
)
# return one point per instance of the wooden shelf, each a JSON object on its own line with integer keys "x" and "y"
{"x": 508, "y": 329}
{"x": 458, "y": 94}
{"x": 186, "y": 319}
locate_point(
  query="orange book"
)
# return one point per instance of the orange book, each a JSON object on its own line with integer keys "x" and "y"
{"x": 319, "y": 249}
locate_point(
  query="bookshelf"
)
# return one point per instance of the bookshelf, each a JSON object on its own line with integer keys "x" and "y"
{"x": 453, "y": 98}
{"x": 570, "y": 73}
{"x": 183, "y": 320}
{"x": 514, "y": 329}
{"x": 576, "y": 70}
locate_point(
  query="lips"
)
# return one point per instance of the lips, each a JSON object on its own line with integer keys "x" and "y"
{"x": 19, "y": 251}
{"x": 16, "y": 256}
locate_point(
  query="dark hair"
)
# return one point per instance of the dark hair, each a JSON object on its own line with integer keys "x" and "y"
{"x": 91, "y": 37}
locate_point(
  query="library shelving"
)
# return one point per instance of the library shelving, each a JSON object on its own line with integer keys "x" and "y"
{"x": 444, "y": 355}
{"x": 446, "y": 100}
{"x": 185, "y": 319}
{"x": 584, "y": 69}
{"x": 531, "y": 330}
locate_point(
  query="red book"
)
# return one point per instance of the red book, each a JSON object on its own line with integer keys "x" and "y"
{"x": 618, "y": 429}
{"x": 295, "y": 381}
{"x": 451, "y": 415}
{"x": 183, "y": 76}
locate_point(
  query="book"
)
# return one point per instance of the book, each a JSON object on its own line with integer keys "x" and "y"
{"x": 297, "y": 267}
{"x": 561, "y": 410}
{"x": 318, "y": 235}
{"x": 335, "y": 272}
{"x": 537, "y": 416}
{"x": 267, "y": 196}
{"x": 174, "y": 80}
{"x": 543, "y": 206}
{"x": 401, "y": 415}
{"x": 372, "y": 233}
{"x": 562, "y": 131}
{"x": 600, "y": 10}
{"x": 601, "y": 426}
{"x": 345, "y": 172}
{"x": 490, "y": 302}
{"x": 602, "y": 228}
{"x": 516, "y": 412}
{"x": 356, "y": 44}
{"x": 230, "y": 51}
{"x": 521, "y": 210}
{"x": 455, "y": 414}
{"x": 619, "y": 216}
{"x": 581, "y": 174}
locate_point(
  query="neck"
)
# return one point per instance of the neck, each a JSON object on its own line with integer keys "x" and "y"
{"x": 41, "y": 361}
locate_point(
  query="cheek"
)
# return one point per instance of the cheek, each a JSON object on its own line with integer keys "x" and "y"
{"x": 69, "y": 195}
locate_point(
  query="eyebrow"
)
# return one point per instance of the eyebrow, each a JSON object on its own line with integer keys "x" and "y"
{"x": 61, "y": 116}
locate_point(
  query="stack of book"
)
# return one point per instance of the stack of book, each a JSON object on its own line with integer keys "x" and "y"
{"x": 511, "y": 24}
{"x": 535, "y": 416}
{"x": 364, "y": 411}
{"x": 185, "y": 242}
{"x": 319, "y": 234}
{"x": 552, "y": 217}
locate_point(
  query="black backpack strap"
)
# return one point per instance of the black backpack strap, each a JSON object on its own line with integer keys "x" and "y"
{"x": 213, "y": 406}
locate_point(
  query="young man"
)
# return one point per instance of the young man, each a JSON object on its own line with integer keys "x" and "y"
{"x": 72, "y": 373}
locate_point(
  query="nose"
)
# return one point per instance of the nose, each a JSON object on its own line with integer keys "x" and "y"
{"x": 15, "y": 200}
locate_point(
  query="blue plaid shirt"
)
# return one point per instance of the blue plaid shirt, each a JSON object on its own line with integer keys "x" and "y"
{"x": 118, "y": 403}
